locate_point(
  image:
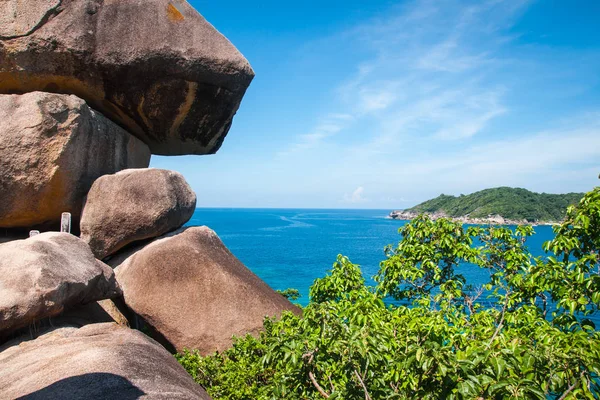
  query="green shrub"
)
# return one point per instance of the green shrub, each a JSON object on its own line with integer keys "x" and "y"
{"x": 290, "y": 294}
{"x": 533, "y": 339}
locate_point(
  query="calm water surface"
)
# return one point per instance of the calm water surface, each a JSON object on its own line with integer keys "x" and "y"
{"x": 290, "y": 248}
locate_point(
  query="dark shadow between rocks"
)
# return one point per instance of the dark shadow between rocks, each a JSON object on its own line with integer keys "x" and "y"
{"x": 10, "y": 234}
{"x": 76, "y": 317}
{"x": 89, "y": 386}
{"x": 141, "y": 325}
{"x": 138, "y": 323}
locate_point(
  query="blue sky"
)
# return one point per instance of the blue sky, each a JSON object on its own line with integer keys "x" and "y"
{"x": 384, "y": 104}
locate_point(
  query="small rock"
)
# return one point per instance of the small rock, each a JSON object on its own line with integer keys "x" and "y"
{"x": 134, "y": 205}
{"x": 46, "y": 274}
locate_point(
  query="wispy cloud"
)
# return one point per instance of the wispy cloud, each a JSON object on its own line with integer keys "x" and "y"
{"x": 437, "y": 89}
{"x": 544, "y": 161}
{"x": 445, "y": 57}
{"x": 432, "y": 65}
{"x": 330, "y": 125}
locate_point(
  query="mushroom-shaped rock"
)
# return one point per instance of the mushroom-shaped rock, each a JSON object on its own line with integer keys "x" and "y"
{"x": 156, "y": 67}
{"x": 132, "y": 205}
{"x": 46, "y": 274}
{"x": 98, "y": 361}
{"x": 195, "y": 293}
{"x": 52, "y": 148}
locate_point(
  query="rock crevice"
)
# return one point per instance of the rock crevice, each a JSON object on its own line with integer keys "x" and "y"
{"x": 17, "y": 20}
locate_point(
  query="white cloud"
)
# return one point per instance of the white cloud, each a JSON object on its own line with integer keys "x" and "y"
{"x": 356, "y": 196}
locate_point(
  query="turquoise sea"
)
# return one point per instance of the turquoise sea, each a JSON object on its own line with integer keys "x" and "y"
{"x": 290, "y": 248}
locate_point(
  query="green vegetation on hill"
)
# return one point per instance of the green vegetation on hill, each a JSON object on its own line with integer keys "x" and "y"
{"x": 535, "y": 337}
{"x": 510, "y": 203}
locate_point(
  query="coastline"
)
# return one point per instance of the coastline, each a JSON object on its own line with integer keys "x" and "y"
{"x": 490, "y": 220}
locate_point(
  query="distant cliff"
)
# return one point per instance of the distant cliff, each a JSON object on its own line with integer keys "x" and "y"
{"x": 503, "y": 205}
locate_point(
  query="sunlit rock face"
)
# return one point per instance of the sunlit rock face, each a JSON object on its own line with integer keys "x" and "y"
{"x": 155, "y": 67}
{"x": 134, "y": 205}
{"x": 44, "y": 275}
{"x": 190, "y": 288}
{"x": 52, "y": 148}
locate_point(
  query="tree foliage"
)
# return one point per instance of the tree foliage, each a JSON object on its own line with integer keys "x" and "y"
{"x": 290, "y": 293}
{"x": 527, "y": 333}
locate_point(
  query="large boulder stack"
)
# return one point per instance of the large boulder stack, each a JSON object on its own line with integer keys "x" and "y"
{"x": 88, "y": 90}
{"x": 190, "y": 288}
{"x": 52, "y": 148}
{"x": 133, "y": 205}
{"x": 155, "y": 67}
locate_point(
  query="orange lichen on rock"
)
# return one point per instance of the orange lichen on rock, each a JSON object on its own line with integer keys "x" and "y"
{"x": 174, "y": 14}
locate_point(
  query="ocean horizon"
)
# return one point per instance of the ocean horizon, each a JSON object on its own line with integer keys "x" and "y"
{"x": 291, "y": 247}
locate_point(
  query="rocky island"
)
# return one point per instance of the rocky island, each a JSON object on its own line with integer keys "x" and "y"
{"x": 498, "y": 206}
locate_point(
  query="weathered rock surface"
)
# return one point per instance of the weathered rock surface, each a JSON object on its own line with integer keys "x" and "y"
{"x": 16, "y": 20}
{"x": 46, "y": 274}
{"x": 98, "y": 361}
{"x": 156, "y": 67}
{"x": 134, "y": 205}
{"x": 195, "y": 293}
{"x": 52, "y": 148}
